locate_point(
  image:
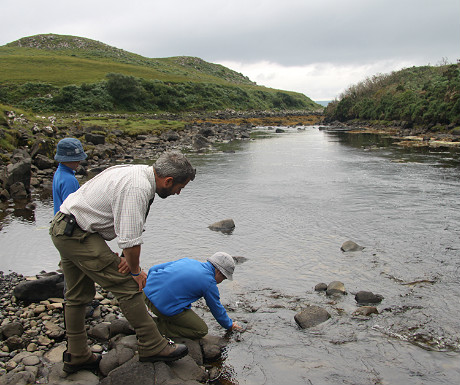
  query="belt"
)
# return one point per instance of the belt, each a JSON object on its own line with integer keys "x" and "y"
{"x": 67, "y": 217}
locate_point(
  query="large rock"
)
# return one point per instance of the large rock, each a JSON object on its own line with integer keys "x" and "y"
{"x": 212, "y": 347}
{"x": 12, "y": 329}
{"x": 18, "y": 191}
{"x": 40, "y": 289}
{"x": 115, "y": 358}
{"x": 95, "y": 138}
{"x": 226, "y": 225}
{"x": 335, "y": 287}
{"x": 43, "y": 162}
{"x": 351, "y": 246}
{"x": 364, "y": 297}
{"x": 132, "y": 372}
{"x": 19, "y": 172}
{"x": 311, "y": 316}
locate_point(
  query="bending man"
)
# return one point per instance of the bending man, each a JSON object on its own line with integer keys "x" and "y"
{"x": 113, "y": 204}
{"x": 172, "y": 287}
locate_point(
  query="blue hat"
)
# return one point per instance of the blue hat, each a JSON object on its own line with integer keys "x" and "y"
{"x": 70, "y": 150}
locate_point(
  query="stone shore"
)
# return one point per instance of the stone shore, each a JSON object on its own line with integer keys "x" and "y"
{"x": 33, "y": 340}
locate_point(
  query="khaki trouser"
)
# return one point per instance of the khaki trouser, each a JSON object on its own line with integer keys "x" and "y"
{"x": 186, "y": 324}
{"x": 85, "y": 259}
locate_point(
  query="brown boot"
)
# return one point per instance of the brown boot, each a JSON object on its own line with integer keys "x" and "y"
{"x": 91, "y": 364}
{"x": 171, "y": 352}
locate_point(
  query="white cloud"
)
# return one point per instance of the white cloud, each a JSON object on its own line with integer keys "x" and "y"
{"x": 318, "y": 81}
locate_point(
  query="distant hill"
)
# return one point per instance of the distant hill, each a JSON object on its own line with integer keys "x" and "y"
{"x": 69, "y": 73}
{"x": 426, "y": 96}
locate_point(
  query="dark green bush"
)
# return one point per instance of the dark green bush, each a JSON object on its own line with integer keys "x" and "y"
{"x": 423, "y": 95}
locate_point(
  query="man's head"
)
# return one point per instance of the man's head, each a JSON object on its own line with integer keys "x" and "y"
{"x": 173, "y": 171}
{"x": 224, "y": 263}
{"x": 70, "y": 152}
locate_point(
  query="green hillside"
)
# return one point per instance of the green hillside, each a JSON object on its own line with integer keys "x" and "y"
{"x": 426, "y": 96}
{"x": 66, "y": 73}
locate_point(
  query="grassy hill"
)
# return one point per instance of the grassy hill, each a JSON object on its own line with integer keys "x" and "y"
{"x": 426, "y": 96}
{"x": 51, "y": 73}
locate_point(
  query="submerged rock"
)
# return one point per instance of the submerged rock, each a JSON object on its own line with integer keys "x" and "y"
{"x": 363, "y": 297}
{"x": 351, "y": 246}
{"x": 365, "y": 311}
{"x": 226, "y": 225}
{"x": 311, "y": 316}
{"x": 321, "y": 286}
{"x": 335, "y": 287}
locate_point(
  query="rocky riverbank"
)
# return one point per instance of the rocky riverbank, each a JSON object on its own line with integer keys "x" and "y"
{"x": 403, "y": 133}
{"x": 32, "y": 342}
{"x": 31, "y": 165}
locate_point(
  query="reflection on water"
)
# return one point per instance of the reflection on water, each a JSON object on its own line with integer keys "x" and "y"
{"x": 295, "y": 198}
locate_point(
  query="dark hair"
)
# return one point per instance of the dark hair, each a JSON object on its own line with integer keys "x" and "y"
{"x": 175, "y": 165}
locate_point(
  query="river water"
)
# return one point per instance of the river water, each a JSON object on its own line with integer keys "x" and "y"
{"x": 295, "y": 198}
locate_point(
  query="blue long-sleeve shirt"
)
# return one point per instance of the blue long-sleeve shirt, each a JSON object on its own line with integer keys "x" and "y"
{"x": 64, "y": 183}
{"x": 173, "y": 286}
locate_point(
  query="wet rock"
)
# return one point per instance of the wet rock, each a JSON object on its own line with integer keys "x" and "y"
{"x": 55, "y": 354}
{"x": 194, "y": 349}
{"x": 18, "y": 191}
{"x": 200, "y": 142}
{"x": 31, "y": 360}
{"x": 311, "y": 316}
{"x": 126, "y": 341}
{"x": 212, "y": 347}
{"x": 40, "y": 289}
{"x": 43, "y": 162}
{"x": 133, "y": 372}
{"x": 335, "y": 287}
{"x": 12, "y": 329}
{"x": 19, "y": 172}
{"x": 100, "y": 332}
{"x": 366, "y": 311}
{"x": 187, "y": 369}
{"x": 18, "y": 378}
{"x": 170, "y": 136}
{"x": 95, "y": 138}
{"x": 363, "y": 297}
{"x": 14, "y": 343}
{"x": 351, "y": 246}
{"x": 56, "y": 376}
{"x": 115, "y": 358}
{"x": 321, "y": 287}
{"x": 239, "y": 259}
{"x": 120, "y": 326}
{"x": 53, "y": 330}
{"x": 226, "y": 225}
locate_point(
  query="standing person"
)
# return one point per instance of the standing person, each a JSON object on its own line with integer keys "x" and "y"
{"x": 113, "y": 204}
{"x": 69, "y": 154}
{"x": 172, "y": 287}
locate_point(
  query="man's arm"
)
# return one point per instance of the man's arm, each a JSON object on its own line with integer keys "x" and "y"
{"x": 132, "y": 256}
{"x": 212, "y": 299}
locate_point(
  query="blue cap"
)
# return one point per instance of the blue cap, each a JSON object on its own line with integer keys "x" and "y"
{"x": 70, "y": 150}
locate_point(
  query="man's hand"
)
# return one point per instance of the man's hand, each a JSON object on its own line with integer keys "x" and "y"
{"x": 141, "y": 280}
{"x": 123, "y": 265}
{"x": 236, "y": 328}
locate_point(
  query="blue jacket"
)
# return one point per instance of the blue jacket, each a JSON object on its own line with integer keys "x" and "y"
{"x": 173, "y": 286}
{"x": 64, "y": 183}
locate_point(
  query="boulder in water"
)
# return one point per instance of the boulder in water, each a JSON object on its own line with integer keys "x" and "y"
{"x": 351, "y": 246}
{"x": 311, "y": 316}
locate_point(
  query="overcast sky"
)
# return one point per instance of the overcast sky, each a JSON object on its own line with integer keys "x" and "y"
{"x": 316, "y": 47}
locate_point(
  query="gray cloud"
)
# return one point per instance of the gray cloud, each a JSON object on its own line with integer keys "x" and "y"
{"x": 289, "y": 33}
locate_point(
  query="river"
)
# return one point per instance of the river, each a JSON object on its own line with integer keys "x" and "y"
{"x": 295, "y": 197}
